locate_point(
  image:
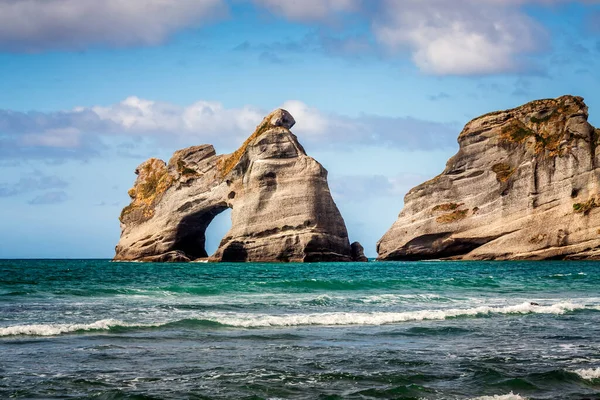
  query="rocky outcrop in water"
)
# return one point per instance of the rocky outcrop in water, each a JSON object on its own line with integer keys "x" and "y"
{"x": 358, "y": 252}
{"x": 282, "y": 209}
{"x": 524, "y": 185}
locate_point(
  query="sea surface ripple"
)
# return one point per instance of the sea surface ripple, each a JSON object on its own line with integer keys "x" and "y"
{"x": 379, "y": 330}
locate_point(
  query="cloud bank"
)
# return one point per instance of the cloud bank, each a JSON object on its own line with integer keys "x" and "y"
{"x": 83, "y": 131}
{"x": 442, "y": 37}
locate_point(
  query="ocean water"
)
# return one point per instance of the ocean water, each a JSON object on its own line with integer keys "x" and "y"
{"x": 389, "y": 330}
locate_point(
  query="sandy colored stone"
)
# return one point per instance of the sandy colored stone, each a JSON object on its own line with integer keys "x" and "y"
{"x": 282, "y": 209}
{"x": 523, "y": 185}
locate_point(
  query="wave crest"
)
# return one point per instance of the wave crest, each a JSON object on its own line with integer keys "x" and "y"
{"x": 57, "y": 329}
{"x": 588, "y": 374}
{"x": 510, "y": 396}
{"x": 249, "y": 320}
{"x": 383, "y": 318}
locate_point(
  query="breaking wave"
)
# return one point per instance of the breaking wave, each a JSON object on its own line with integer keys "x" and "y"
{"x": 250, "y": 320}
{"x": 510, "y": 396}
{"x": 588, "y": 374}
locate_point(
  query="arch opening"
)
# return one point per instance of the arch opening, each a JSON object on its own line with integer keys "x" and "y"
{"x": 193, "y": 230}
{"x": 217, "y": 230}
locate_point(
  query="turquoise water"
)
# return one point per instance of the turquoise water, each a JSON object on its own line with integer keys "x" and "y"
{"x": 390, "y": 330}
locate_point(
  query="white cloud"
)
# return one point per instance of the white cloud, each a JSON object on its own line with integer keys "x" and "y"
{"x": 309, "y": 10}
{"x": 208, "y": 120}
{"x": 36, "y": 25}
{"x": 406, "y": 133}
{"x": 311, "y": 122}
{"x": 81, "y": 131}
{"x": 459, "y": 37}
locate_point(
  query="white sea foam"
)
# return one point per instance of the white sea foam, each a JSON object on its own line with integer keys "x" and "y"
{"x": 57, "y": 329}
{"x": 250, "y": 320}
{"x": 510, "y": 396}
{"x": 588, "y": 374}
{"x": 382, "y": 318}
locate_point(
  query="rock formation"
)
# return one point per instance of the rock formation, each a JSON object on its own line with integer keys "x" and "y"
{"x": 523, "y": 185}
{"x": 358, "y": 252}
{"x": 282, "y": 209}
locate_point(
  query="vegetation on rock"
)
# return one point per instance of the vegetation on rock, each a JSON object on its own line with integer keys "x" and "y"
{"x": 585, "y": 208}
{"x": 457, "y": 215}
{"x": 153, "y": 182}
{"x": 516, "y": 131}
{"x": 503, "y": 171}
{"x": 546, "y": 139}
{"x": 446, "y": 207}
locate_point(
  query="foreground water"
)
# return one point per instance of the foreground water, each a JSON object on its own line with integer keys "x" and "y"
{"x": 430, "y": 330}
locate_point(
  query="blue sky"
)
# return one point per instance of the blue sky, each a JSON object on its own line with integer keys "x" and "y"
{"x": 380, "y": 90}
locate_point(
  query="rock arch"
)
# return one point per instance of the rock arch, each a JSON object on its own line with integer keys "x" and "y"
{"x": 282, "y": 209}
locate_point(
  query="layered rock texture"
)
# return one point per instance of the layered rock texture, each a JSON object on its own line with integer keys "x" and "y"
{"x": 282, "y": 209}
{"x": 525, "y": 184}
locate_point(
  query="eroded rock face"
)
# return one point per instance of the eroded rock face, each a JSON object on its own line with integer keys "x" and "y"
{"x": 524, "y": 185}
{"x": 282, "y": 209}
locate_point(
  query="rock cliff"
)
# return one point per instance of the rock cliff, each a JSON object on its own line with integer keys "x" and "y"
{"x": 282, "y": 209}
{"x": 523, "y": 185}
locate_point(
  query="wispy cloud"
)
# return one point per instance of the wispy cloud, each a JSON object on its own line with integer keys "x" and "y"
{"x": 33, "y": 182}
{"x": 440, "y": 96}
{"x": 36, "y": 182}
{"x": 310, "y": 10}
{"x": 361, "y": 188}
{"x": 49, "y": 198}
{"x": 271, "y": 58}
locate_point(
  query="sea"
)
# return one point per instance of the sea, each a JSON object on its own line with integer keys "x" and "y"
{"x": 78, "y": 329}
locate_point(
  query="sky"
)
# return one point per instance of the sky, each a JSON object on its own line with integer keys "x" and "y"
{"x": 380, "y": 90}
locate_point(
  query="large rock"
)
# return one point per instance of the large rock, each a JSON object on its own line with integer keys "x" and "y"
{"x": 524, "y": 185}
{"x": 282, "y": 209}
